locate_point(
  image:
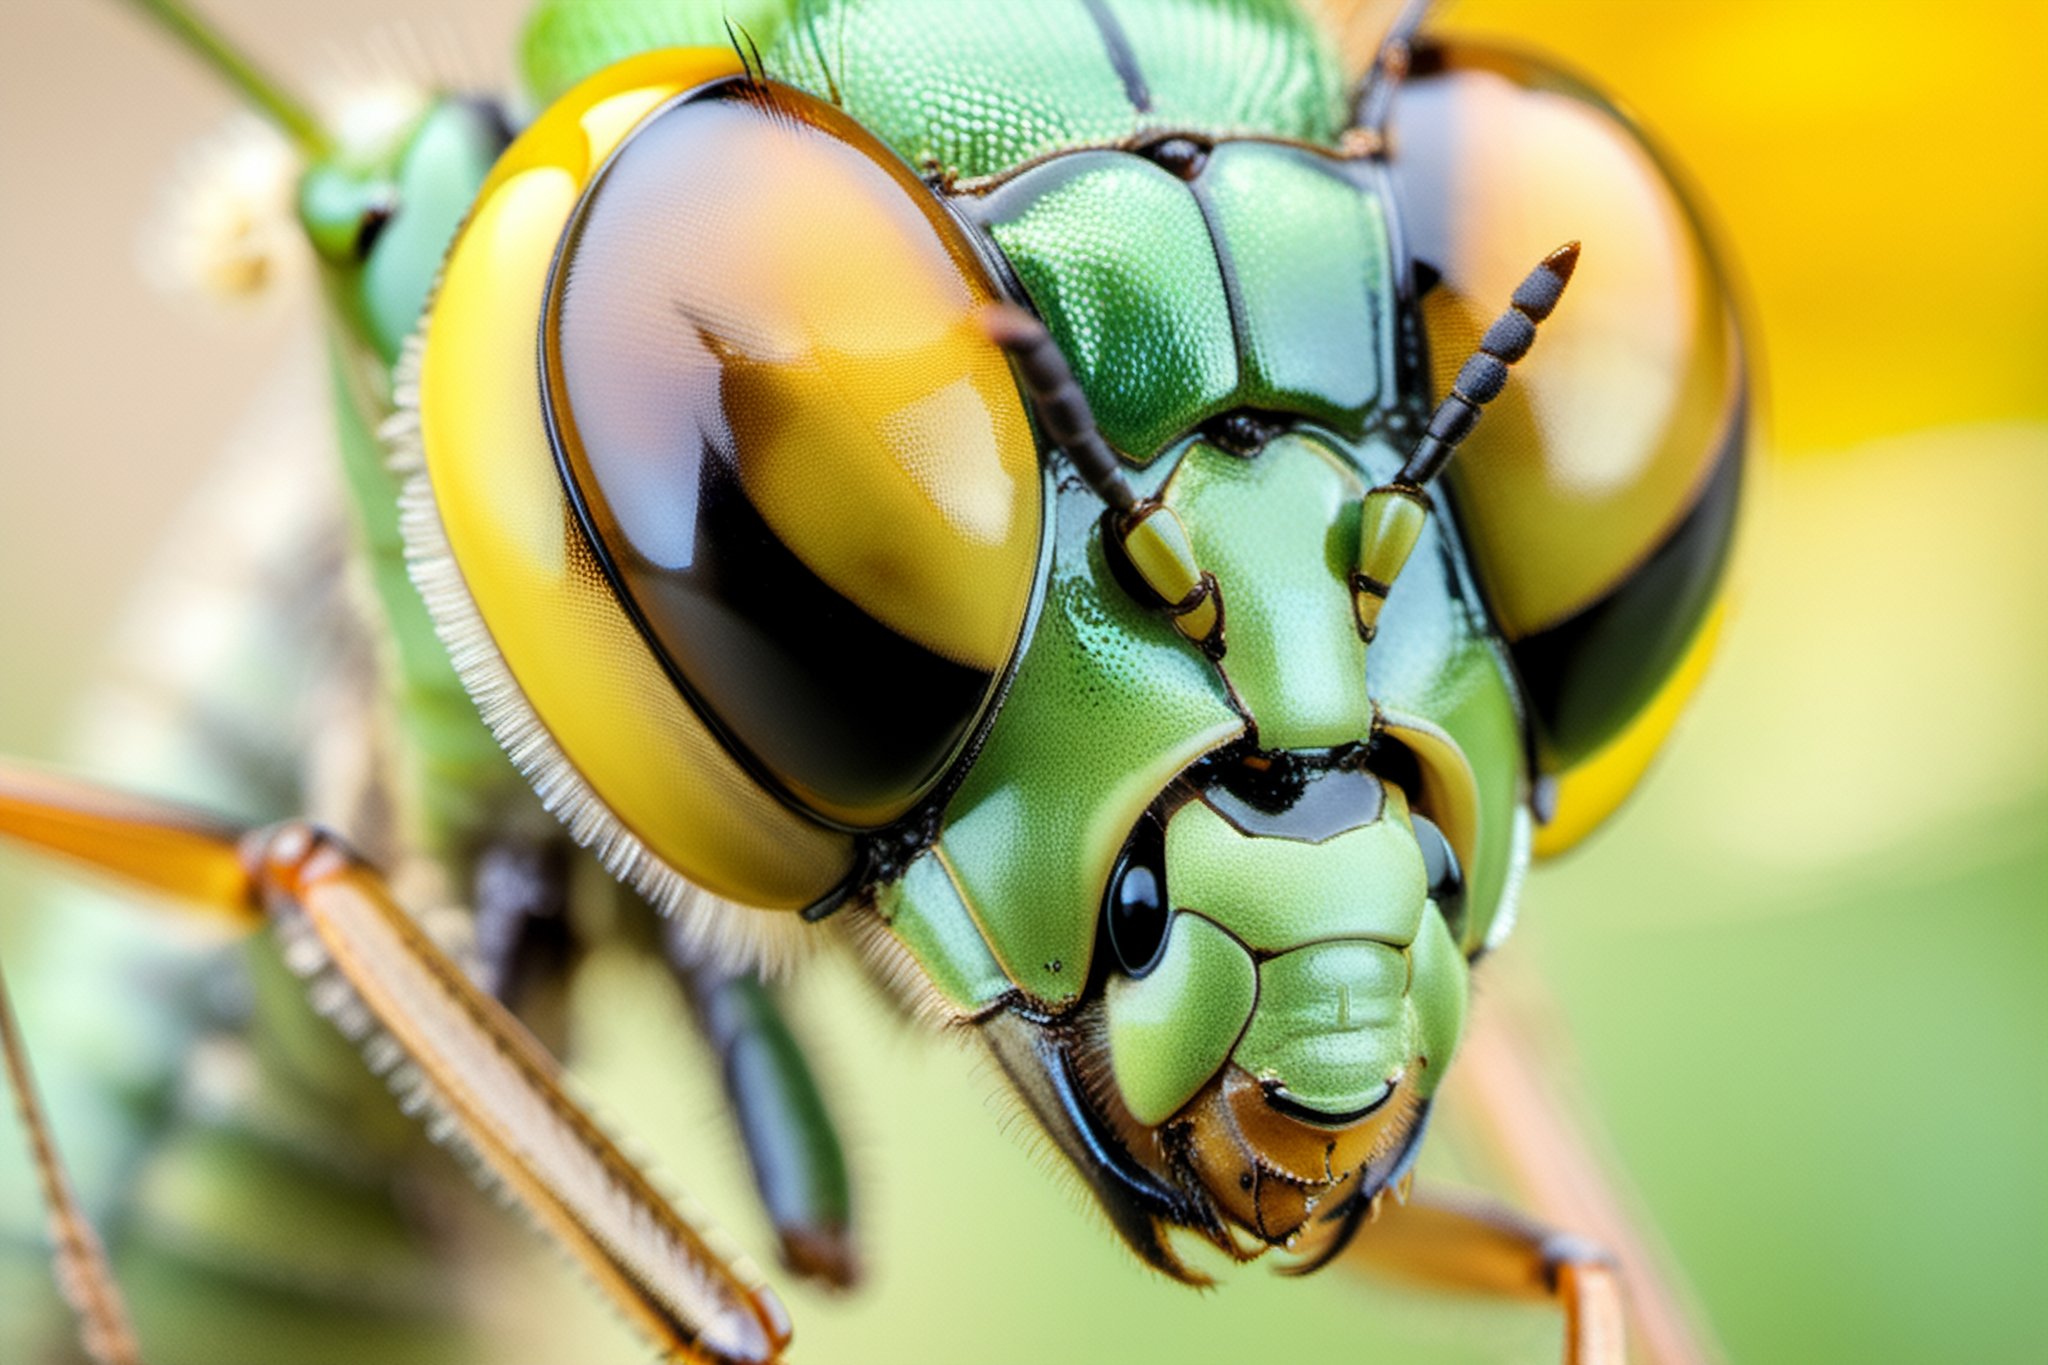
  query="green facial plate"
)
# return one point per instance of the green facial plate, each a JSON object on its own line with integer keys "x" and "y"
{"x": 1172, "y": 1030}
{"x": 1275, "y": 894}
{"x": 1107, "y": 705}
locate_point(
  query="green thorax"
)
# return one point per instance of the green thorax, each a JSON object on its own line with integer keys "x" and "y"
{"x": 1260, "y": 279}
{"x": 969, "y": 88}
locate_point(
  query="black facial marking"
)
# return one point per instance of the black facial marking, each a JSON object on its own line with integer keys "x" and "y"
{"x": 1180, "y": 156}
{"x": 1396, "y": 763}
{"x": 1121, "y": 55}
{"x": 1289, "y": 801}
{"x": 1241, "y": 432}
{"x": 1135, "y": 908}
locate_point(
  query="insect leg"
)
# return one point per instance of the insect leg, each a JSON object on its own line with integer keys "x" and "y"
{"x": 83, "y": 1274}
{"x": 1511, "y": 1105}
{"x": 454, "y": 1054}
{"x": 161, "y": 847}
{"x": 799, "y": 1167}
{"x": 1472, "y": 1245}
{"x": 525, "y": 944}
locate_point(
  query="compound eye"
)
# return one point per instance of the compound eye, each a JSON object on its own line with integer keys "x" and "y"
{"x": 1135, "y": 908}
{"x": 1598, "y": 496}
{"x": 807, "y": 472}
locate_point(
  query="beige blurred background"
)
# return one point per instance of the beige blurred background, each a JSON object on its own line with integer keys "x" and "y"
{"x": 1805, "y": 972}
{"x": 118, "y": 395}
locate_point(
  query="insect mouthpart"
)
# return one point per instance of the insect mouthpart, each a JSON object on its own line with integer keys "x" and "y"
{"x": 1288, "y": 1175}
{"x": 1241, "y": 1166}
{"x": 1275, "y": 996}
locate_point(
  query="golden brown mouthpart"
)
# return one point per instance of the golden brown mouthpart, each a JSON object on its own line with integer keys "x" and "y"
{"x": 1238, "y": 1166}
{"x": 1270, "y": 1171}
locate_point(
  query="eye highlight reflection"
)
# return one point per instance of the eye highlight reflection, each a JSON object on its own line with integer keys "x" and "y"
{"x": 1135, "y": 910}
{"x": 805, "y": 469}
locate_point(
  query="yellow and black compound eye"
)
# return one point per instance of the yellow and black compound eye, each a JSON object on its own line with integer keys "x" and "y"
{"x": 1599, "y": 494}
{"x": 808, "y": 471}
{"x": 741, "y": 563}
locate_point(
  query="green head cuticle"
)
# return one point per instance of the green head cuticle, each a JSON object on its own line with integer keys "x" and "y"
{"x": 1269, "y": 287}
{"x": 1322, "y": 969}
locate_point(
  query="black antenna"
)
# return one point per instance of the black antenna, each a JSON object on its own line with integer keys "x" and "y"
{"x": 1061, "y": 406}
{"x": 1481, "y": 378}
{"x": 1392, "y": 518}
{"x": 1148, "y": 547}
{"x": 1389, "y": 68}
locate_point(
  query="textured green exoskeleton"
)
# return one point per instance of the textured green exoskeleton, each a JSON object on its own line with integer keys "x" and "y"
{"x": 1201, "y": 806}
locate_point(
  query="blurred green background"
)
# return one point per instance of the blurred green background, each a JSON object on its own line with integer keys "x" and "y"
{"x": 1803, "y": 977}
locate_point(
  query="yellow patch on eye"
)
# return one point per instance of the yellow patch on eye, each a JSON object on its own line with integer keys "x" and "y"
{"x": 567, "y": 139}
{"x": 606, "y": 124}
{"x": 1591, "y": 792}
{"x": 878, "y": 431}
{"x": 581, "y": 664}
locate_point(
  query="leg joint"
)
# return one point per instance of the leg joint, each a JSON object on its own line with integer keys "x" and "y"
{"x": 1564, "y": 1250}
{"x": 295, "y": 855}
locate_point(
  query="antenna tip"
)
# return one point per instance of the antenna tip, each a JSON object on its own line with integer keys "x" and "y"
{"x": 1536, "y": 295}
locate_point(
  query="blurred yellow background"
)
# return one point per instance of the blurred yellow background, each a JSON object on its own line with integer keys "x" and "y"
{"x": 1806, "y": 972}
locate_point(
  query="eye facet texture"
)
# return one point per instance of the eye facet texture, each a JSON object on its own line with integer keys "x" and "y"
{"x": 810, "y": 474}
{"x": 1598, "y": 494}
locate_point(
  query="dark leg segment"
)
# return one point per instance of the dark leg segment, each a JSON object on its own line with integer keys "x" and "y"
{"x": 525, "y": 944}
{"x": 522, "y": 919}
{"x": 798, "y": 1165}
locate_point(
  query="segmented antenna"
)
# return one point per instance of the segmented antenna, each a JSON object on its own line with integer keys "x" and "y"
{"x": 1061, "y": 406}
{"x": 1145, "y": 535}
{"x": 1482, "y": 377}
{"x": 1389, "y": 68}
{"x": 1394, "y": 514}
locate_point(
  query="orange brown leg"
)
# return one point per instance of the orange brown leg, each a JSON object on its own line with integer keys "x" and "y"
{"x": 482, "y": 1079}
{"x": 83, "y": 1275}
{"x": 1482, "y": 1248}
{"x": 1610, "y": 1276}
